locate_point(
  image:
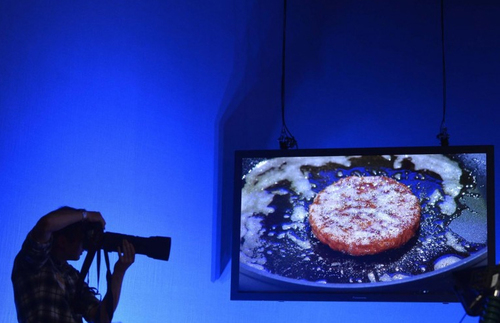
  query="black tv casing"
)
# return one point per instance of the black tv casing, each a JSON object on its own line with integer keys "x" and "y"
{"x": 249, "y": 283}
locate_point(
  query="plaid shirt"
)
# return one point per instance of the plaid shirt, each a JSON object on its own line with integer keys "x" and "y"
{"x": 44, "y": 289}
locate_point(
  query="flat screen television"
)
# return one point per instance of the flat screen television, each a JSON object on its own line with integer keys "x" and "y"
{"x": 371, "y": 224}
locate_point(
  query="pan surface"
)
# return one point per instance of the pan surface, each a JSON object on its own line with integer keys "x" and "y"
{"x": 277, "y": 245}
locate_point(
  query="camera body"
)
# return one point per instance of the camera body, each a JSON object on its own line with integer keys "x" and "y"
{"x": 96, "y": 239}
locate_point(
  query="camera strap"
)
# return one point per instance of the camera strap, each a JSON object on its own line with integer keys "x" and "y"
{"x": 108, "y": 267}
{"x": 84, "y": 272}
{"x": 79, "y": 284}
{"x": 109, "y": 291}
{"x": 98, "y": 260}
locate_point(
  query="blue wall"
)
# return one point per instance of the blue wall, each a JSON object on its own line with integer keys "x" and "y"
{"x": 134, "y": 108}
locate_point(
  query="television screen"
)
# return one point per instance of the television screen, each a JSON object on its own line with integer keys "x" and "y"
{"x": 373, "y": 224}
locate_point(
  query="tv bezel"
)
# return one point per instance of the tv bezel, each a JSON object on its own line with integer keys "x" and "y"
{"x": 376, "y": 294}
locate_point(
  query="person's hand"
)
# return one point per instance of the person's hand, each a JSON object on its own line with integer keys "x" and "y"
{"x": 93, "y": 216}
{"x": 60, "y": 219}
{"x": 126, "y": 257}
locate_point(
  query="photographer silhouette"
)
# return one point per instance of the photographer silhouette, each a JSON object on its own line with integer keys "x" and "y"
{"x": 45, "y": 284}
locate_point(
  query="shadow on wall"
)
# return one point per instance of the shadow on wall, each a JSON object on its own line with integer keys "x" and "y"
{"x": 250, "y": 113}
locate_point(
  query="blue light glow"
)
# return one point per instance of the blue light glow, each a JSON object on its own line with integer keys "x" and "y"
{"x": 133, "y": 108}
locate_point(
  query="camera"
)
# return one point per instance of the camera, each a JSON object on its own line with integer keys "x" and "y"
{"x": 96, "y": 239}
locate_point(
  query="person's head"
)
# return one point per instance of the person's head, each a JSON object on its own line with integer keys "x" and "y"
{"x": 68, "y": 242}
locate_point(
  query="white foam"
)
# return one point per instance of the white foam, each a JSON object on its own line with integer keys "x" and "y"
{"x": 445, "y": 262}
{"x": 256, "y": 200}
{"x": 448, "y": 169}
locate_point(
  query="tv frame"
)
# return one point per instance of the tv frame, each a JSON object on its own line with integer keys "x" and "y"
{"x": 438, "y": 287}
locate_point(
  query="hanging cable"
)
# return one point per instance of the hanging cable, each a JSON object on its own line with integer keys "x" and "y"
{"x": 286, "y": 139}
{"x": 443, "y": 135}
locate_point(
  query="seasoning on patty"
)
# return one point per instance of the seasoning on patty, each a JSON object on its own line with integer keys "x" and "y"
{"x": 365, "y": 215}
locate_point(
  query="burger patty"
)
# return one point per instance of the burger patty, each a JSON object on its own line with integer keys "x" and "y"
{"x": 365, "y": 215}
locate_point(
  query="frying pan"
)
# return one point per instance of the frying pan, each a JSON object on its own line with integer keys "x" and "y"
{"x": 286, "y": 254}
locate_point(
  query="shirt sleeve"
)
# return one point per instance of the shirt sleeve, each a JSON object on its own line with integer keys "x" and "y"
{"x": 34, "y": 254}
{"x": 89, "y": 302}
